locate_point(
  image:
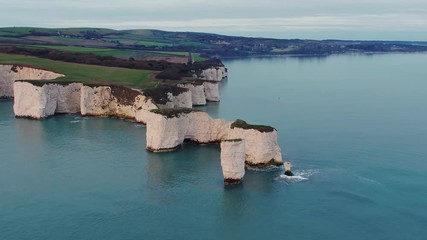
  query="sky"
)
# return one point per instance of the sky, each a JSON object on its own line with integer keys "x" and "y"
{"x": 304, "y": 19}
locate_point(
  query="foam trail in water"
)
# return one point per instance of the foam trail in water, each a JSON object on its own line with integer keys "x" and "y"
{"x": 299, "y": 176}
{"x": 75, "y": 121}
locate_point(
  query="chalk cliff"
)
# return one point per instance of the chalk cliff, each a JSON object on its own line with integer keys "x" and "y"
{"x": 39, "y": 100}
{"x": 212, "y": 91}
{"x": 10, "y": 73}
{"x": 233, "y": 154}
{"x": 168, "y": 128}
{"x": 198, "y": 96}
{"x": 113, "y": 101}
{"x": 170, "y": 97}
{"x": 165, "y": 110}
{"x": 262, "y": 148}
{"x": 213, "y": 74}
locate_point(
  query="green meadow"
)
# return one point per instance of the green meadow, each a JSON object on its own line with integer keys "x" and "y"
{"x": 86, "y": 73}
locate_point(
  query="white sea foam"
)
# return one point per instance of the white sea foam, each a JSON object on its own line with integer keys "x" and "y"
{"x": 75, "y": 121}
{"x": 299, "y": 176}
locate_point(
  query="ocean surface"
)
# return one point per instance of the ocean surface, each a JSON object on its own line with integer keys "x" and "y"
{"x": 354, "y": 125}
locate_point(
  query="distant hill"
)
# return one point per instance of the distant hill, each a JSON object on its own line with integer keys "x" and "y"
{"x": 174, "y": 46}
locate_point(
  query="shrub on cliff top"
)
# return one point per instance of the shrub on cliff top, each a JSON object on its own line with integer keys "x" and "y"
{"x": 40, "y": 83}
{"x": 233, "y": 140}
{"x": 160, "y": 94}
{"x": 174, "y": 112}
{"x": 124, "y": 95}
{"x": 244, "y": 125}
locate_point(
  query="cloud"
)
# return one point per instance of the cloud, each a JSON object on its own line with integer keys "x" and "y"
{"x": 274, "y": 18}
{"x": 372, "y": 22}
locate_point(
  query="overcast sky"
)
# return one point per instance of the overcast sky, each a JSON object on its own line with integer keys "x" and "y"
{"x": 309, "y": 19}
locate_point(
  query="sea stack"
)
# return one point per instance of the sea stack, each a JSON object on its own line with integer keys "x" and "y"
{"x": 262, "y": 148}
{"x": 233, "y": 154}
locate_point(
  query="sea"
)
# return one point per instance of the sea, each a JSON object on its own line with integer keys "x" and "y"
{"x": 353, "y": 126}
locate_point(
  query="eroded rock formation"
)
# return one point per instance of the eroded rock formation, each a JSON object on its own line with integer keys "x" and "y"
{"x": 37, "y": 99}
{"x": 262, "y": 148}
{"x": 165, "y": 110}
{"x": 40, "y": 100}
{"x": 198, "y": 96}
{"x": 113, "y": 101}
{"x": 168, "y": 128}
{"x": 214, "y": 74}
{"x": 212, "y": 91}
{"x": 170, "y": 96}
{"x": 233, "y": 152}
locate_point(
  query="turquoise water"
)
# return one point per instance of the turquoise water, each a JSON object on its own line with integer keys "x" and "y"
{"x": 354, "y": 125}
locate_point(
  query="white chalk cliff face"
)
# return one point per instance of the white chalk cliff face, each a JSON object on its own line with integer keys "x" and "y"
{"x": 168, "y": 130}
{"x": 10, "y": 73}
{"x": 214, "y": 74}
{"x": 38, "y": 102}
{"x": 102, "y": 101}
{"x": 233, "y": 154}
{"x": 198, "y": 96}
{"x": 165, "y": 133}
{"x": 212, "y": 91}
{"x": 181, "y": 100}
{"x": 262, "y": 148}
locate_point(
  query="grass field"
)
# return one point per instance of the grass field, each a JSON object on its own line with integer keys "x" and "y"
{"x": 156, "y": 44}
{"x": 86, "y": 73}
{"x": 119, "y": 53}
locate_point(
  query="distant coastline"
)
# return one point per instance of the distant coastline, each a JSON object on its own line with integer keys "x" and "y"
{"x": 174, "y": 46}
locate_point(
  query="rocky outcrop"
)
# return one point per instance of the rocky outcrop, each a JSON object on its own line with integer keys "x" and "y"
{"x": 233, "y": 154}
{"x": 262, "y": 148}
{"x": 197, "y": 90}
{"x": 168, "y": 128}
{"x": 10, "y": 73}
{"x": 182, "y": 100}
{"x": 170, "y": 97}
{"x": 113, "y": 101}
{"x": 39, "y": 100}
{"x": 212, "y": 91}
{"x": 202, "y": 91}
{"x": 214, "y": 73}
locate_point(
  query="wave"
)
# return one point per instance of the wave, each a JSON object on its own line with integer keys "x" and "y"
{"x": 301, "y": 175}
